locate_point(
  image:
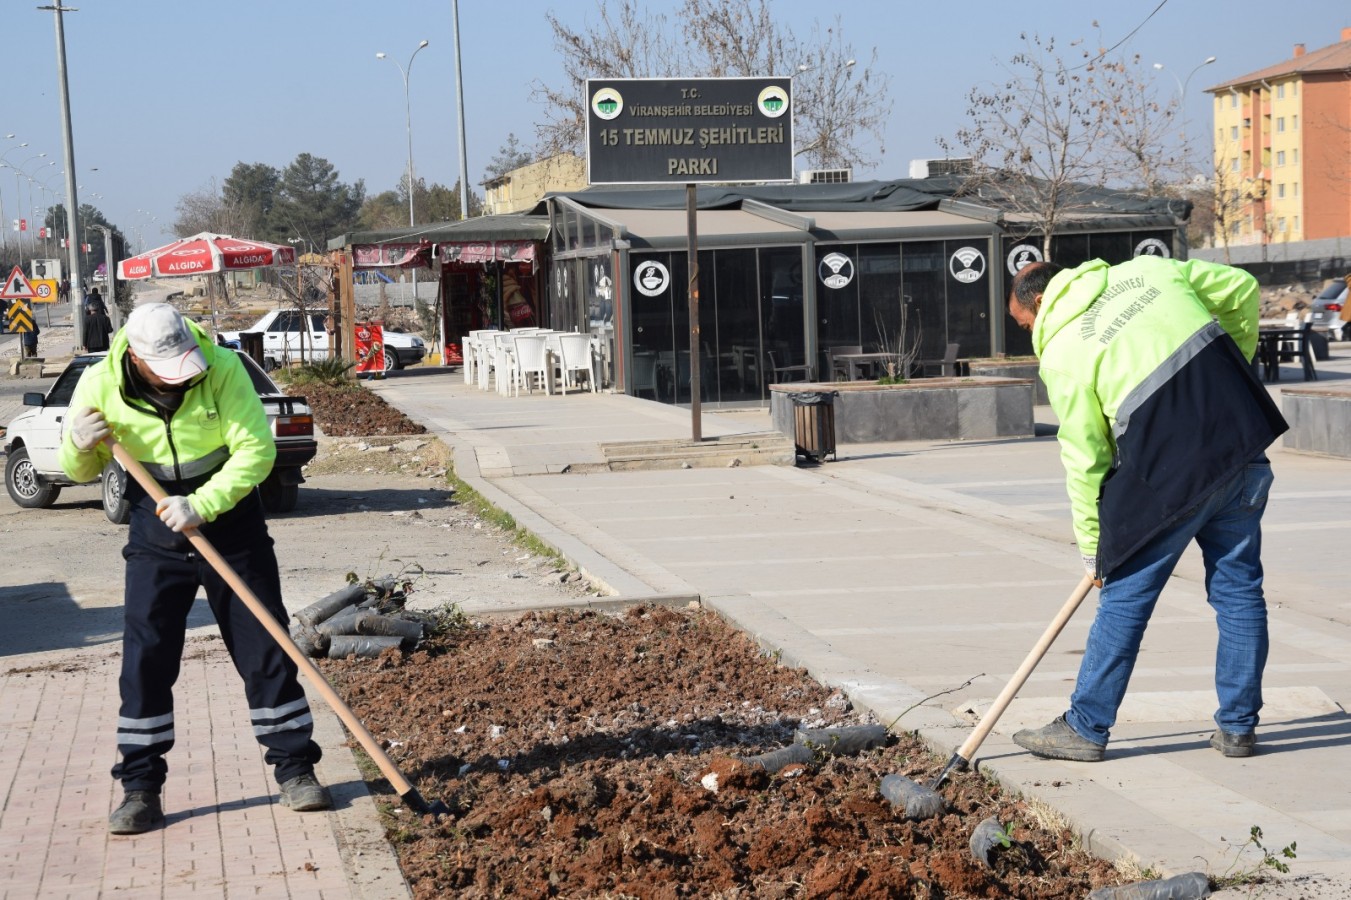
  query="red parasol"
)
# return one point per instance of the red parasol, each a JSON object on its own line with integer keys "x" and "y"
{"x": 204, "y": 254}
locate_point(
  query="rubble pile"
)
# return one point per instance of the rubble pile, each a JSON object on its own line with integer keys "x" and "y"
{"x": 362, "y": 619}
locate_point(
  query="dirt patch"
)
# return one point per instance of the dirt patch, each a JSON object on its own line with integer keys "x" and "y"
{"x": 348, "y": 410}
{"x": 574, "y": 748}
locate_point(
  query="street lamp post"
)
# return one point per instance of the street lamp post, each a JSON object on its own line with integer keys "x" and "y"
{"x": 408, "y": 118}
{"x": 1182, "y": 97}
{"x": 18, "y": 191}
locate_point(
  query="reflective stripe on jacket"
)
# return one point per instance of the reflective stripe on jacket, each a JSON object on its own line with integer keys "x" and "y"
{"x": 1146, "y": 366}
{"x": 221, "y": 412}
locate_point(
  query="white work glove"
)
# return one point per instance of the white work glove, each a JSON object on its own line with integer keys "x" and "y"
{"x": 1091, "y": 567}
{"x": 87, "y": 428}
{"x": 178, "y": 514}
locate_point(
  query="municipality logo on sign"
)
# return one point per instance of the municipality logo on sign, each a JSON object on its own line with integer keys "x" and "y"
{"x": 773, "y": 101}
{"x": 607, "y": 103}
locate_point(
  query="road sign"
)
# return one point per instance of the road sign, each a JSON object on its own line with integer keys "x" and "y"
{"x": 689, "y": 130}
{"x": 17, "y": 286}
{"x": 45, "y": 290}
{"x": 20, "y": 316}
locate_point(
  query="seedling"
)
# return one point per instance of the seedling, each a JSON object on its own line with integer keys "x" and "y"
{"x": 1255, "y": 872}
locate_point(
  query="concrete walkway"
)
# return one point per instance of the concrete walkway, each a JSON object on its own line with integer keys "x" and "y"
{"x": 897, "y": 572}
{"x": 903, "y": 570}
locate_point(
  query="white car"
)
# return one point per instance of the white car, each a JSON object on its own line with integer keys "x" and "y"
{"x": 285, "y": 338}
{"x": 1325, "y": 312}
{"x": 34, "y": 478}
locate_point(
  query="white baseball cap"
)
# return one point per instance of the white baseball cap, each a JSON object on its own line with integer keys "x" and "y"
{"x": 160, "y": 336}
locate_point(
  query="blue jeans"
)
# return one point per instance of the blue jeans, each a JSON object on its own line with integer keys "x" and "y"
{"x": 1228, "y": 528}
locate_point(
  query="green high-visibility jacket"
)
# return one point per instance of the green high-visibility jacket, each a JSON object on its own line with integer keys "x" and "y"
{"x": 1146, "y": 366}
{"x": 220, "y": 410}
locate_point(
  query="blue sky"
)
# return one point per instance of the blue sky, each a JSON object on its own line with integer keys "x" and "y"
{"x": 167, "y": 94}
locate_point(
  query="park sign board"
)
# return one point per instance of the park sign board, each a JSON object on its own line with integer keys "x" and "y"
{"x": 688, "y": 130}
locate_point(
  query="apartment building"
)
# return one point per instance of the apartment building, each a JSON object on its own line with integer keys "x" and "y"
{"x": 1283, "y": 149}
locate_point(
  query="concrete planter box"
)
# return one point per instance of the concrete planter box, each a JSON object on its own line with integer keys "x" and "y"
{"x": 925, "y": 409}
{"x": 1016, "y": 367}
{"x": 1320, "y": 419}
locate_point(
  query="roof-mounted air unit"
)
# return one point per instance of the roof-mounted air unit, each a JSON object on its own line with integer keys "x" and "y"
{"x": 925, "y": 168}
{"x": 825, "y": 176}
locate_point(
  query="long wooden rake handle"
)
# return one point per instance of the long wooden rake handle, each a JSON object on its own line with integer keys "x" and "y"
{"x": 962, "y": 757}
{"x": 402, "y": 786}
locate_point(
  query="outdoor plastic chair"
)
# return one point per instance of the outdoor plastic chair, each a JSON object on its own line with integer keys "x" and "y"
{"x": 531, "y": 363}
{"x": 645, "y": 374}
{"x": 781, "y": 373}
{"x": 946, "y": 367}
{"x": 839, "y": 371}
{"x": 575, "y": 357}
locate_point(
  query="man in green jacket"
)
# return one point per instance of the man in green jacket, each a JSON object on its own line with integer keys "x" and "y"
{"x": 187, "y": 410}
{"x": 1163, "y": 429}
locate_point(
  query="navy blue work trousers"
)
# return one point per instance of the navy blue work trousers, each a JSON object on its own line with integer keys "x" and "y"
{"x": 163, "y": 575}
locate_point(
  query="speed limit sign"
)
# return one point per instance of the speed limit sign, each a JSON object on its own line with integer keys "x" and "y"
{"x": 44, "y": 290}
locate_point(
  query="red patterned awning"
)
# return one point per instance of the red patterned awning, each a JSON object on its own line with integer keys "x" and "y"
{"x": 486, "y": 251}
{"x": 407, "y": 253}
{"x": 372, "y": 255}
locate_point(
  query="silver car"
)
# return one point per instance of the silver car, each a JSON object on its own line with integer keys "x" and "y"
{"x": 1325, "y": 312}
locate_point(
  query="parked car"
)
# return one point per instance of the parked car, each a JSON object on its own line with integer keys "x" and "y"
{"x": 34, "y": 478}
{"x": 1325, "y": 312}
{"x": 284, "y": 334}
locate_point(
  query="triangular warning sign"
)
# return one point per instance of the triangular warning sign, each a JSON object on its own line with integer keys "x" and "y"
{"x": 17, "y": 286}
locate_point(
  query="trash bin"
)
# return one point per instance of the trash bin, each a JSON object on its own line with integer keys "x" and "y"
{"x": 814, "y": 424}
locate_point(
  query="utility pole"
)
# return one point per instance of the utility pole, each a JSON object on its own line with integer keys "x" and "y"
{"x": 72, "y": 200}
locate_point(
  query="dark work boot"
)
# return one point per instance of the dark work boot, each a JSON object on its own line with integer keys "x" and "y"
{"x": 1233, "y": 745}
{"x": 140, "y": 812}
{"x": 1059, "y": 741}
{"x": 304, "y": 793}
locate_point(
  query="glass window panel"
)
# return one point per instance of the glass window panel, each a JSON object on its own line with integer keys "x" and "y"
{"x": 1069, "y": 250}
{"x": 837, "y": 308}
{"x": 924, "y": 268}
{"x": 781, "y": 307}
{"x": 1114, "y": 247}
{"x": 968, "y": 322}
{"x": 651, "y": 322}
{"x": 879, "y": 293}
{"x": 735, "y": 347}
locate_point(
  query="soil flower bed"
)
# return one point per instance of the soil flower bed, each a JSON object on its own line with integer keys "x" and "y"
{"x": 594, "y": 755}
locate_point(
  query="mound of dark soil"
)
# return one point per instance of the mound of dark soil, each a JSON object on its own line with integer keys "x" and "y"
{"x": 349, "y": 410}
{"x": 576, "y": 751}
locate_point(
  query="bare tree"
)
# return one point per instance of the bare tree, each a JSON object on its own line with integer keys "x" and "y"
{"x": 838, "y": 105}
{"x": 1036, "y": 137}
{"x": 1138, "y": 127}
{"x": 1054, "y": 127}
{"x": 208, "y": 210}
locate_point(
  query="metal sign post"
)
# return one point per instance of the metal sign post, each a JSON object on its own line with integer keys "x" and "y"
{"x": 692, "y": 220}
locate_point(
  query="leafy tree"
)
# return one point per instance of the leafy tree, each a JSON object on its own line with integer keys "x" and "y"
{"x": 509, "y": 156}
{"x": 384, "y": 210}
{"x": 837, "y": 106}
{"x": 443, "y": 203}
{"x": 312, "y": 203}
{"x": 252, "y": 190}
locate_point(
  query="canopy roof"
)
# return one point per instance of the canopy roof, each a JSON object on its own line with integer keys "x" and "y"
{"x": 990, "y": 200}
{"x": 481, "y": 228}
